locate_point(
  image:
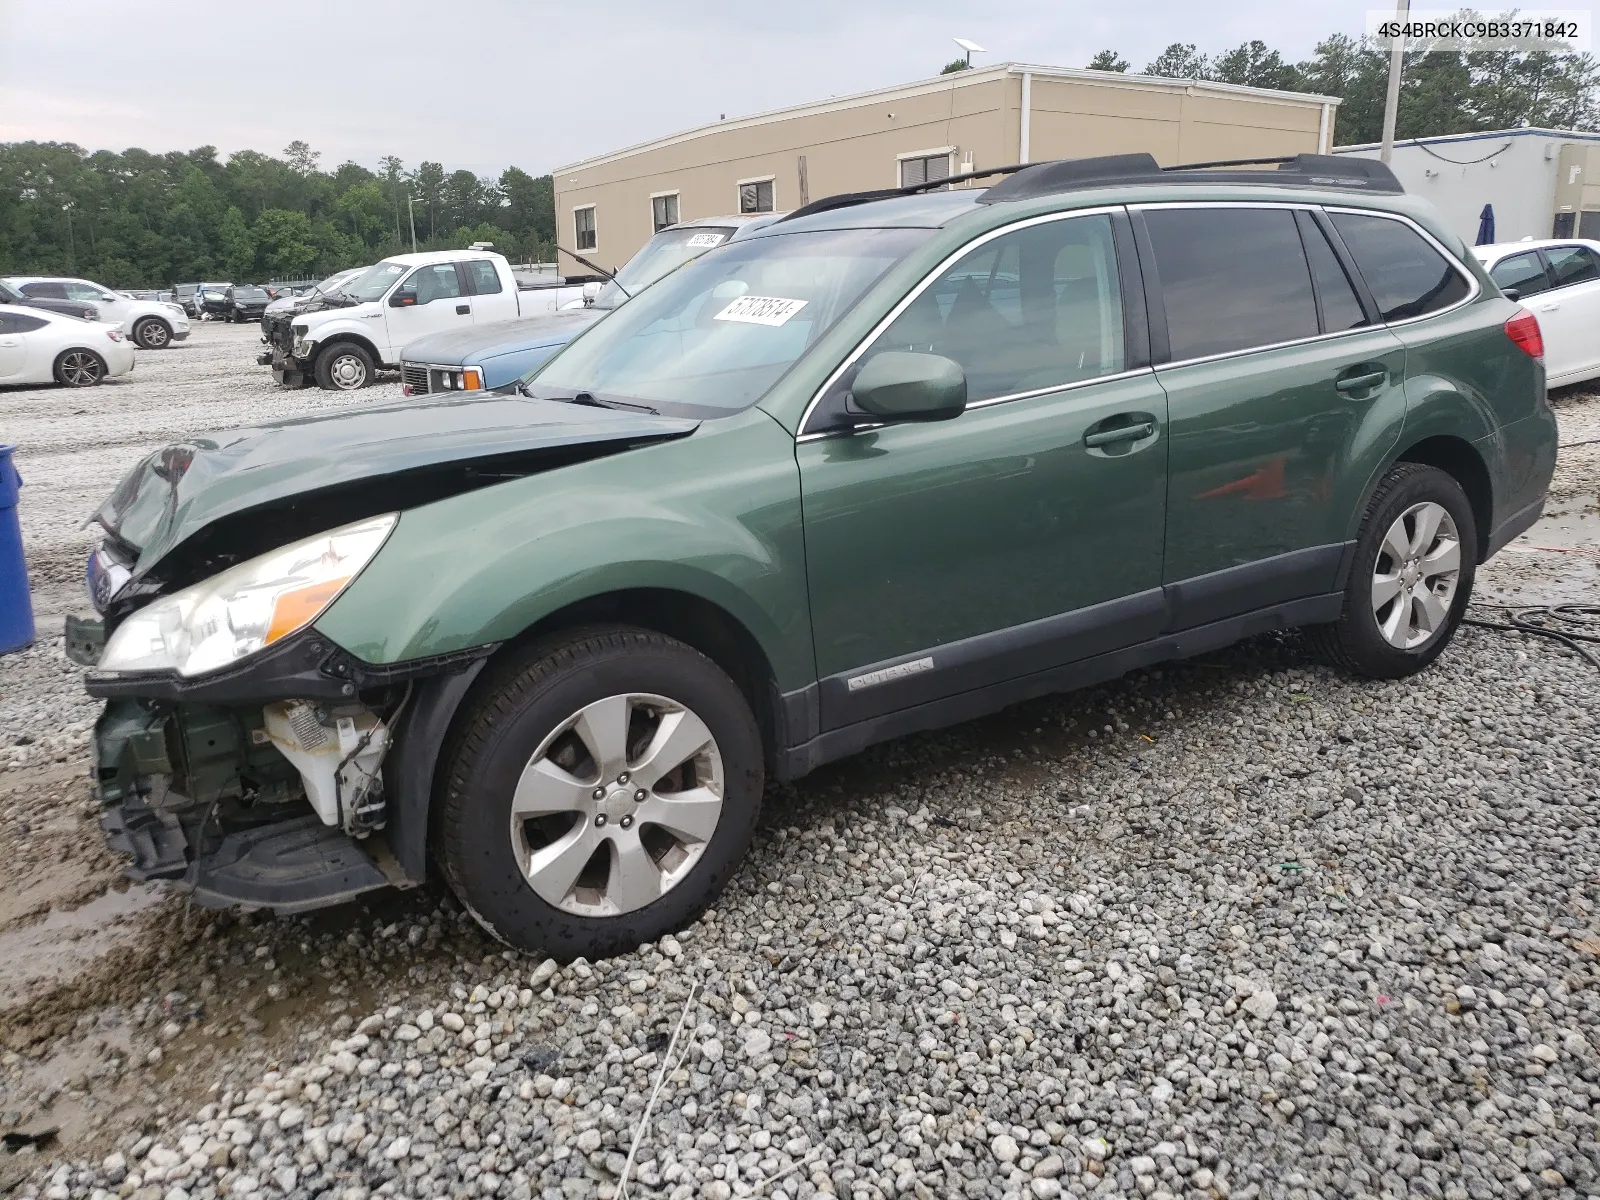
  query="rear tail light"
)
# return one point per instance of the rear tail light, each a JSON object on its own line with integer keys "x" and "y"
{"x": 1523, "y": 330}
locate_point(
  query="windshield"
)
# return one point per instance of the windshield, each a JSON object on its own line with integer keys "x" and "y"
{"x": 372, "y": 283}
{"x": 249, "y": 294}
{"x": 334, "y": 280}
{"x": 718, "y": 332}
{"x": 659, "y": 257}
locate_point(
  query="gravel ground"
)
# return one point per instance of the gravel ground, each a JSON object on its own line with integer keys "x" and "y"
{"x": 1239, "y": 927}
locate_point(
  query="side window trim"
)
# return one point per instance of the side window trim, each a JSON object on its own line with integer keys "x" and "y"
{"x": 1369, "y": 302}
{"x": 1135, "y": 303}
{"x": 1306, "y": 222}
{"x": 1549, "y": 270}
{"x": 806, "y": 433}
{"x": 1150, "y": 280}
{"x": 1474, "y": 288}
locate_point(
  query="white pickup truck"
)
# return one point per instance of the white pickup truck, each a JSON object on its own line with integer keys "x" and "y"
{"x": 343, "y": 338}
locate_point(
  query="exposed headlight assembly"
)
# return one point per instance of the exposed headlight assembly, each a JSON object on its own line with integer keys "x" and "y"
{"x": 246, "y": 608}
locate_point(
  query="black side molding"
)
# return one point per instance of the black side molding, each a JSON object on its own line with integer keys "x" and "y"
{"x": 409, "y": 770}
{"x": 1514, "y": 526}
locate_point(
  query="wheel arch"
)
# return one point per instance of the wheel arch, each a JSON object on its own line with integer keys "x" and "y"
{"x": 1459, "y": 459}
{"x": 342, "y": 337}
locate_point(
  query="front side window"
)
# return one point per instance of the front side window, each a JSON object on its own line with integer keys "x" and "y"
{"x": 46, "y": 290}
{"x": 437, "y": 281}
{"x": 87, "y": 292}
{"x": 1033, "y": 309}
{"x": 1573, "y": 264}
{"x": 1231, "y": 279}
{"x": 1522, "y": 272}
{"x": 485, "y": 279}
{"x": 1406, "y": 275}
{"x": 755, "y": 196}
{"x": 715, "y": 334}
{"x": 924, "y": 170}
{"x": 583, "y": 227}
{"x": 663, "y": 212}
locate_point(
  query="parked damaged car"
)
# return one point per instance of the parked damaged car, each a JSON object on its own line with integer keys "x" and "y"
{"x": 891, "y": 463}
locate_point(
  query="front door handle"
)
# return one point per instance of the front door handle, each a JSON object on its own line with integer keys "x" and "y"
{"x": 1359, "y": 383}
{"x": 1549, "y": 307}
{"x": 1122, "y": 433}
{"x": 464, "y": 309}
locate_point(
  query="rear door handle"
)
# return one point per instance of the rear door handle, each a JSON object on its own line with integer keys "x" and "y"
{"x": 1549, "y": 307}
{"x": 1356, "y": 383}
{"x": 1123, "y": 433}
{"x": 464, "y": 309}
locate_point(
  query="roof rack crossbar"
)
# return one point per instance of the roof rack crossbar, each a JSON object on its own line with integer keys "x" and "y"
{"x": 847, "y": 199}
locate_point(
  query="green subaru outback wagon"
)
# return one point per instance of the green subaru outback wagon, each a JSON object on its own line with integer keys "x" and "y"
{"x": 899, "y": 460}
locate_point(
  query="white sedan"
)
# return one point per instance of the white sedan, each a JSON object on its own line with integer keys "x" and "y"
{"x": 1559, "y": 281}
{"x": 41, "y": 347}
{"x": 153, "y": 324}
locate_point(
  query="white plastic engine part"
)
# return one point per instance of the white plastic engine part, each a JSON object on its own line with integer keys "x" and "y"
{"x": 317, "y": 740}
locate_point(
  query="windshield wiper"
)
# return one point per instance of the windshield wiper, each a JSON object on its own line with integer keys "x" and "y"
{"x": 589, "y": 400}
{"x": 610, "y": 277}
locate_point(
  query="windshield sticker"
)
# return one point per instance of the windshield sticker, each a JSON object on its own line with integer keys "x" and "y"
{"x": 761, "y": 310}
{"x": 707, "y": 240}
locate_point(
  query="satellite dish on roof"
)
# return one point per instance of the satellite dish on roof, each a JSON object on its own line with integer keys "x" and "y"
{"x": 970, "y": 47}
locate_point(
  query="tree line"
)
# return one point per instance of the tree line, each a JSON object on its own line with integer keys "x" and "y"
{"x": 1441, "y": 92}
{"x": 137, "y": 219}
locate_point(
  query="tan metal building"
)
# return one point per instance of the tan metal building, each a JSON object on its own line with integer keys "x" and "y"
{"x": 608, "y": 206}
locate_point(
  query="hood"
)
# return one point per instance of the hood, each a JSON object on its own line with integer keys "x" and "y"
{"x": 457, "y": 347}
{"x": 229, "y": 496}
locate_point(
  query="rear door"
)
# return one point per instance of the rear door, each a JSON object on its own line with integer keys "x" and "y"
{"x": 491, "y": 299}
{"x": 1281, "y": 388}
{"x": 1569, "y": 313}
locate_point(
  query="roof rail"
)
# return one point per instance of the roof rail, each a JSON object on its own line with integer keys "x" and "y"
{"x": 1295, "y": 170}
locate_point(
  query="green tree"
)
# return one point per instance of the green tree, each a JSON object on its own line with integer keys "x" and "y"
{"x": 284, "y": 246}
{"x": 427, "y": 185}
{"x": 238, "y": 247}
{"x": 954, "y": 65}
{"x": 365, "y": 213}
{"x": 1180, "y": 61}
{"x": 1108, "y": 60}
{"x": 301, "y": 157}
{"x": 1253, "y": 65}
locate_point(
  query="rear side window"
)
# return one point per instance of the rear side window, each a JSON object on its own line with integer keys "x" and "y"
{"x": 1407, "y": 276}
{"x": 1231, "y": 278}
{"x": 1341, "y": 309}
{"x": 1573, "y": 264}
{"x": 17, "y": 323}
{"x": 45, "y": 291}
{"x": 1524, "y": 272}
{"x": 485, "y": 279}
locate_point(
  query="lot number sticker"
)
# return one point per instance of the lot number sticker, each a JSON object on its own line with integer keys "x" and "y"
{"x": 761, "y": 310}
{"x": 706, "y": 239}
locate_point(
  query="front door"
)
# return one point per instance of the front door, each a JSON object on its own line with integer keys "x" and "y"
{"x": 1569, "y": 313}
{"x": 1026, "y": 532}
{"x": 1274, "y": 388}
{"x": 429, "y": 300}
{"x": 13, "y": 346}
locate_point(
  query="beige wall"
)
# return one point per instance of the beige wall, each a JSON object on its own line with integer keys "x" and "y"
{"x": 853, "y": 144}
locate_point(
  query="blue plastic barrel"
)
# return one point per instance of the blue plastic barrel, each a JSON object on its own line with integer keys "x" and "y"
{"x": 16, "y": 606}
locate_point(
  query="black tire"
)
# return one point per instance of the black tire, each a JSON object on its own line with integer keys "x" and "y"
{"x": 511, "y": 714}
{"x": 1355, "y": 641}
{"x": 152, "y": 333}
{"x": 79, "y": 367}
{"x": 343, "y": 367}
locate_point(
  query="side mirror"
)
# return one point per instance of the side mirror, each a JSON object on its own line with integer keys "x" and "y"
{"x": 1511, "y": 293}
{"x": 404, "y": 298}
{"x": 591, "y": 292}
{"x": 910, "y": 385}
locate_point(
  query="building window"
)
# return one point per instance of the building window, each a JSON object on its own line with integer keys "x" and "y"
{"x": 664, "y": 211}
{"x": 583, "y": 227}
{"x": 755, "y": 195}
{"x": 924, "y": 169}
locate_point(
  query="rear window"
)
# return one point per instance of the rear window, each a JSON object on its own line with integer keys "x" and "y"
{"x": 1231, "y": 278}
{"x": 1407, "y": 276}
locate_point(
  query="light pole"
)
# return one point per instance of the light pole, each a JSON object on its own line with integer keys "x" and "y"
{"x": 1391, "y": 102}
{"x": 412, "y": 213}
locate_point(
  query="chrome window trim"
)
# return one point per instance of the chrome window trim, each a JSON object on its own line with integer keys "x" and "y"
{"x": 1474, "y": 288}
{"x": 922, "y": 285}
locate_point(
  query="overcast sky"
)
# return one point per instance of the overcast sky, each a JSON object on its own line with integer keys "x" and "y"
{"x": 483, "y": 84}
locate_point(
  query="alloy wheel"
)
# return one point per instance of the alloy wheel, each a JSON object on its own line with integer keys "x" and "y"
{"x": 617, "y": 805}
{"x": 1414, "y": 579}
{"x": 81, "y": 368}
{"x": 348, "y": 372}
{"x": 153, "y": 335}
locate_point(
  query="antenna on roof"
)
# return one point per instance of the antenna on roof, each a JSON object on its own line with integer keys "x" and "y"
{"x": 970, "y": 47}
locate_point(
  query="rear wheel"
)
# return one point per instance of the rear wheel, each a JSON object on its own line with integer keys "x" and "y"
{"x": 344, "y": 367}
{"x": 1411, "y": 579}
{"x": 602, "y": 791}
{"x": 80, "y": 368}
{"x": 152, "y": 333}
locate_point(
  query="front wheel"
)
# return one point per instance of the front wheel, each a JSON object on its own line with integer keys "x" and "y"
{"x": 152, "y": 333}
{"x": 344, "y": 367}
{"x": 1411, "y": 578}
{"x": 602, "y": 790}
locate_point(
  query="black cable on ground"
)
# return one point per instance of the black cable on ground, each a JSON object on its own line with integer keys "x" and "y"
{"x": 1581, "y": 621}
